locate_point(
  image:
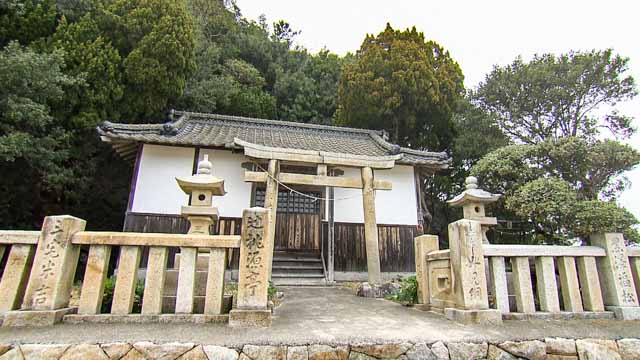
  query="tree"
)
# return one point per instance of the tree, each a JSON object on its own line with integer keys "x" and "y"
{"x": 557, "y": 96}
{"x": 547, "y": 202}
{"x": 556, "y": 184}
{"x": 403, "y": 84}
{"x": 592, "y": 167}
{"x": 284, "y": 33}
{"x": 475, "y": 134}
{"x": 594, "y": 216}
{"x": 33, "y": 143}
{"x": 26, "y": 21}
{"x": 223, "y": 82}
{"x": 155, "y": 41}
{"x": 307, "y": 92}
{"x": 91, "y": 57}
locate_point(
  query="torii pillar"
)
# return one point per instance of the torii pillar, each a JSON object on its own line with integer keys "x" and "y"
{"x": 370, "y": 226}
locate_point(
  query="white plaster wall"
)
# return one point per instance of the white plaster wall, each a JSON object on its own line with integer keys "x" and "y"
{"x": 156, "y": 188}
{"x": 397, "y": 206}
{"x": 228, "y": 166}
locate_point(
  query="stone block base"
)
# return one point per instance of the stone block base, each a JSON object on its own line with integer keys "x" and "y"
{"x": 146, "y": 319}
{"x": 36, "y": 317}
{"x": 254, "y": 318}
{"x": 422, "y": 307}
{"x": 377, "y": 290}
{"x": 587, "y": 315}
{"x": 625, "y": 313}
{"x": 489, "y": 316}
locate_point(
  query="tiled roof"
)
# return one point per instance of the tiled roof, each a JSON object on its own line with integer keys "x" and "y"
{"x": 210, "y": 130}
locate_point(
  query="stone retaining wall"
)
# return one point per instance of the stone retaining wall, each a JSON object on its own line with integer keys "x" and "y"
{"x": 549, "y": 348}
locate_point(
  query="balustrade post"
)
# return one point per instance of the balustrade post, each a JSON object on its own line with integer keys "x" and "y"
{"x": 424, "y": 244}
{"x": 470, "y": 288}
{"x": 614, "y": 270}
{"x": 48, "y": 291}
{"x": 256, "y": 251}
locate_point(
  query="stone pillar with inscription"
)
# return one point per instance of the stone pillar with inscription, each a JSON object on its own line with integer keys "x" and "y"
{"x": 468, "y": 273}
{"x": 614, "y": 270}
{"x": 256, "y": 251}
{"x": 46, "y": 299}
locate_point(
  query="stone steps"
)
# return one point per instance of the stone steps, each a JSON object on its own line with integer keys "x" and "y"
{"x": 297, "y": 268}
{"x": 299, "y": 281}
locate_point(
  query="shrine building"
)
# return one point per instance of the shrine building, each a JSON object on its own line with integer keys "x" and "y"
{"x": 334, "y": 186}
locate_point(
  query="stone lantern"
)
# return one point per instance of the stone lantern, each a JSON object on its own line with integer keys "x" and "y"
{"x": 201, "y": 187}
{"x": 473, "y": 201}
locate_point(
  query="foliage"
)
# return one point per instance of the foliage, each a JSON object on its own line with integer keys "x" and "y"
{"x": 33, "y": 143}
{"x": 592, "y": 167}
{"x": 111, "y": 60}
{"x": 155, "y": 40}
{"x": 403, "y": 84}
{"x": 243, "y": 69}
{"x": 557, "y": 184}
{"x": 26, "y": 21}
{"x": 551, "y": 97}
{"x": 548, "y": 203}
{"x": 408, "y": 293}
{"x": 91, "y": 57}
{"x": 272, "y": 290}
{"x": 594, "y": 216}
{"x": 476, "y": 134}
{"x": 107, "y": 296}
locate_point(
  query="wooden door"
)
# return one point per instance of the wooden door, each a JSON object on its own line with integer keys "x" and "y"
{"x": 298, "y": 220}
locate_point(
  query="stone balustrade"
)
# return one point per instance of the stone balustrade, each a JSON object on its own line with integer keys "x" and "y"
{"x": 38, "y": 276}
{"x": 21, "y": 246}
{"x": 476, "y": 282}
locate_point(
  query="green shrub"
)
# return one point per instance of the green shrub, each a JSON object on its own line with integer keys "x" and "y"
{"x": 271, "y": 292}
{"x": 408, "y": 293}
{"x": 107, "y": 296}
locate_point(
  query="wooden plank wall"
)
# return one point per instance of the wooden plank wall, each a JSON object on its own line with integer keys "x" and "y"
{"x": 298, "y": 232}
{"x": 176, "y": 224}
{"x": 395, "y": 241}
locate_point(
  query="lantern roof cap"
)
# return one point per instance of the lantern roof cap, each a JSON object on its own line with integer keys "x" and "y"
{"x": 472, "y": 194}
{"x": 202, "y": 180}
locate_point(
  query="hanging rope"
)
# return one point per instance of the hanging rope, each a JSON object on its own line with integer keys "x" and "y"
{"x": 315, "y": 198}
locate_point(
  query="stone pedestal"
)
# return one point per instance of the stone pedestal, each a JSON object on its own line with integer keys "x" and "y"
{"x": 36, "y": 317}
{"x": 250, "y": 318}
{"x": 625, "y": 313}
{"x": 489, "y": 316}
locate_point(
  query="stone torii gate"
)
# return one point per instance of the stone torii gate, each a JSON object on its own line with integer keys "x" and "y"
{"x": 322, "y": 160}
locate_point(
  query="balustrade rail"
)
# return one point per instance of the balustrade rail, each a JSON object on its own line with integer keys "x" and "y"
{"x": 21, "y": 246}
{"x": 37, "y": 274}
{"x": 572, "y": 268}
{"x": 154, "y": 285}
{"x": 527, "y": 281}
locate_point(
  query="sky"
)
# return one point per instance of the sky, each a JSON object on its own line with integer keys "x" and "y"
{"x": 478, "y": 34}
